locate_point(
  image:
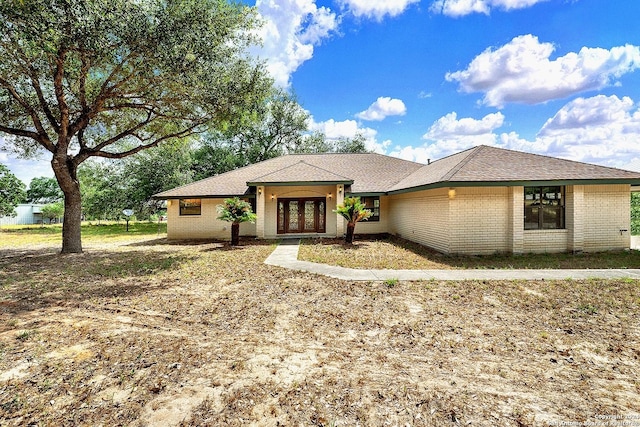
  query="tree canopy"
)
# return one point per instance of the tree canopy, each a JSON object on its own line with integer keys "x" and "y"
{"x": 44, "y": 190}
{"x": 11, "y": 192}
{"x": 93, "y": 78}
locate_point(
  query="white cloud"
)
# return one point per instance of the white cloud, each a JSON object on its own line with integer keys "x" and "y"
{"x": 457, "y": 8}
{"x": 450, "y": 127}
{"x": 601, "y": 130}
{"x": 521, "y": 71}
{"x": 377, "y": 9}
{"x": 334, "y": 130}
{"x": 290, "y": 31}
{"x": 383, "y": 108}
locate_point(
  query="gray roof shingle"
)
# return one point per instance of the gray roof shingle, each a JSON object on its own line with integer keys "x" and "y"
{"x": 377, "y": 173}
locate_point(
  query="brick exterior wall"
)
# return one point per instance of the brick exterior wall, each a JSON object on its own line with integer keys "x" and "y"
{"x": 607, "y": 210}
{"x": 203, "y": 226}
{"x": 465, "y": 220}
{"x": 486, "y": 220}
{"x": 422, "y": 217}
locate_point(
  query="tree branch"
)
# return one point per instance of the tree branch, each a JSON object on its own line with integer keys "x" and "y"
{"x": 42, "y": 134}
{"x": 58, "y": 85}
{"x": 186, "y": 132}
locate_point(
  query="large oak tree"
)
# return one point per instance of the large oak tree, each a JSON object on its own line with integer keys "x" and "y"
{"x": 109, "y": 78}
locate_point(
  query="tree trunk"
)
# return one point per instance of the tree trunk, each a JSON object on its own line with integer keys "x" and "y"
{"x": 350, "y": 229}
{"x": 65, "y": 172}
{"x": 235, "y": 234}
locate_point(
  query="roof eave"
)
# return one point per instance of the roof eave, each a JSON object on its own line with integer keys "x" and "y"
{"x": 518, "y": 183}
{"x": 298, "y": 183}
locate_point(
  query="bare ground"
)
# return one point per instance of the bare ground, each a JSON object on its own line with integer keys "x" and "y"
{"x": 153, "y": 334}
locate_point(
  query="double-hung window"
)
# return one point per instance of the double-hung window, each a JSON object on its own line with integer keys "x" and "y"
{"x": 544, "y": 208}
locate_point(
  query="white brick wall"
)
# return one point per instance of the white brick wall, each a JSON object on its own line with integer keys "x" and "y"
{"x": 476, "y": 220}
{"x": 422, "y": 217}
{"x": 607, "y": 210}
{"x": 480, "y": 220}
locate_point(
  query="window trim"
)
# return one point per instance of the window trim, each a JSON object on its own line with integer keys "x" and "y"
{"x": 182, "y": 207}
{"x": 542, "y": 207}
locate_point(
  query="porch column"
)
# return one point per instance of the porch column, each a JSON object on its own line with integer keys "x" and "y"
{"x": 260, "y": 212}
{"x": 339, "y": 220}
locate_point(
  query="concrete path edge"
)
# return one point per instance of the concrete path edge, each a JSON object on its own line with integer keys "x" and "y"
{"x": 285, "y": 255}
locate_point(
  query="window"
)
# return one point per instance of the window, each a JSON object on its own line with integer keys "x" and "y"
{"x": 190, "y": 206}
{"x": 543, "y": 208}
{"x": 373, "y": 204}
{"x": 252, "y": 202}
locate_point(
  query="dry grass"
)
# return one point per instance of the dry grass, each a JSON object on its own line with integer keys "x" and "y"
{"x": 395, "y": 253}
{"x": 149, "y": 333}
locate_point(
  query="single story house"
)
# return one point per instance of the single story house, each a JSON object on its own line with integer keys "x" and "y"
{"x": 479, "y": 201}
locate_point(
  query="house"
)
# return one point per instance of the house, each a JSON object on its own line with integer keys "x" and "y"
{"x": 26, "y": 214}
{"x": 479, "y": 201}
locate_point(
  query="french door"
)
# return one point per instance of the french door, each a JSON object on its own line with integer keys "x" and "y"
{"x": 302, "y": 215}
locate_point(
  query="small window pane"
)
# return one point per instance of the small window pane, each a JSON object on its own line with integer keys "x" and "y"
{"x": 190, "y": 206}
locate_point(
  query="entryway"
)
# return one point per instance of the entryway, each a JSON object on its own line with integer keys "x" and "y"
{"x": 306, "y": 215}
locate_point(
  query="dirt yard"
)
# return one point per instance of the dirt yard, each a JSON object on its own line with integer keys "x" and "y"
{"x": 151, "y": 334}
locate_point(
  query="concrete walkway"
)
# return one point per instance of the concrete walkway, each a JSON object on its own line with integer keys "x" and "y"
{"x": 286, "y": 255}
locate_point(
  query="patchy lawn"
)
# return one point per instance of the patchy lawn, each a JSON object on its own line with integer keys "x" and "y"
{"x": 145, "y": 333}
{"x": 395, "y": 253}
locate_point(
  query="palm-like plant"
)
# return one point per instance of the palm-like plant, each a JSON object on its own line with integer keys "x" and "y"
{"x": 235, "y": 211}
{"x": 353, "y": 210}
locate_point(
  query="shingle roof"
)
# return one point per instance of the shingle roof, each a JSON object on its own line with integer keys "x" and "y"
{"x": 298, "y": 173}
{"x": 377, "y": 173}
{"x": 485, "y": 164}
{"x": 369, "y": 172}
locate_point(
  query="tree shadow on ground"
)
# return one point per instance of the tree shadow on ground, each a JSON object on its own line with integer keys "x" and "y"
{"x": 39, "y": 279}
{"x": 204, "y": 245}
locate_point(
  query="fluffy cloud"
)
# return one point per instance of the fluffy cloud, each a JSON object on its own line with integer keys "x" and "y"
{"x": 457, "y": 8}
{"x": 450, "y": 127}
{"x": 521, "y": 71}
{"x": 290, "y": 31}
{"x": 334, "y": 130}
{"x": 377, "y": 9}
{"x": 601, "y": 130}
{"x": 383, "y": 108}
{"x": 449, "y": 135}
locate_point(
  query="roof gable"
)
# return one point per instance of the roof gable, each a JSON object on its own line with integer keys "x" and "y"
{"x": 301, "y": 172}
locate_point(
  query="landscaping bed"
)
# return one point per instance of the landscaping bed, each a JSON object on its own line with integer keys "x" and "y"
{"x": 391, "y": 252}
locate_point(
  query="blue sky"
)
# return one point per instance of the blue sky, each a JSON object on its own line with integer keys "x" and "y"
{"x": 422, "y": 79}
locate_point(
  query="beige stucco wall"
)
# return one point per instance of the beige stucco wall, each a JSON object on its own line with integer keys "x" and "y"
{"x": 285, "y": 192}
{"x": 422, "y": 217}
{"x": 203, "y": 226}
{"x": 376, "y": 227}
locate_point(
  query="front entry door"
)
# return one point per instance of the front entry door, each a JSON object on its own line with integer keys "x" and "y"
{"x": 301, "y": 215}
